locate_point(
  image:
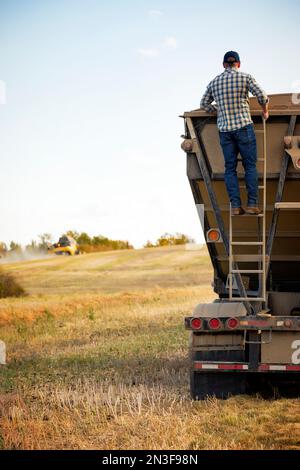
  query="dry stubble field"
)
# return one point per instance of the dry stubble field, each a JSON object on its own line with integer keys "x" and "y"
{"x": 97, "y": 358}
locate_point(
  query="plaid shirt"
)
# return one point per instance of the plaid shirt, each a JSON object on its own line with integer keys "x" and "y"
{"x": 229, "y": 91}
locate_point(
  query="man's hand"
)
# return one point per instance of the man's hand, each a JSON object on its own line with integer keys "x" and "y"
{"x": 265, "y": 115}
{"x": 265, "y": 111}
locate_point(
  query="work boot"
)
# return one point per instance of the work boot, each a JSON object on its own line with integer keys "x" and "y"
{"x": 253, "y": 210}
{"x": 237, "y": 211}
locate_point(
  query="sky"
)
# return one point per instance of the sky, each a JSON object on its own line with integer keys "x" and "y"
{"x": 90, "y": 97}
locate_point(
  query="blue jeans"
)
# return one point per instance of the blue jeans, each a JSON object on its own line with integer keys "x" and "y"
{"x": 241, "y": 141}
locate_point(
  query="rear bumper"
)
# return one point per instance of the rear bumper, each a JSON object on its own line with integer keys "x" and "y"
{"x": 202, "y": 366}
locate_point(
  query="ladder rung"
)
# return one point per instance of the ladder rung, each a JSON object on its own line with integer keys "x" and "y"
{"x": 245, "y": 187}
{"x": 247, "y": 243}
{"x": 249, "y": 215}
{"x": 245, "y": 258}
{"x": 252, "y": 299}
{"x": 249, "y": 271}
{"x": 258, "y": 160}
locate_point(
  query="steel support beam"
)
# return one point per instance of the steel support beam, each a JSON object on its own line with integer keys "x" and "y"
{"x": 213, "y": 200}
{"x": 279, "y": 194}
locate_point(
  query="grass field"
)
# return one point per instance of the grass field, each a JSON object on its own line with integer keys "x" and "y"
{"x": 97, "y": 358}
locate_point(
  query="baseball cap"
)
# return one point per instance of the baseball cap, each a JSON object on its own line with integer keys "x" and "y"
{"x": 231, "y": 54}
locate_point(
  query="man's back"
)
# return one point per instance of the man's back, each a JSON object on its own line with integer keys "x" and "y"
{"x": 230, "y": 91}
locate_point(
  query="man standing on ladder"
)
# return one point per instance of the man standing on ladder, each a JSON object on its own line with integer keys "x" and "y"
{"x": 230, "y": 91}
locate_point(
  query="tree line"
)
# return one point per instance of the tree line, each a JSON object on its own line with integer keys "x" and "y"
{"x": 88, "y": 243}
{"x": 167, "y": 239}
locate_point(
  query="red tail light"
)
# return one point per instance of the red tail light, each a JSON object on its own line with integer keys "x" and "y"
{"x": 214, "y": 324}
{"x": 232, "y": 323}
{"x": 196, "y": 323}
{"x": 213, "y": 235}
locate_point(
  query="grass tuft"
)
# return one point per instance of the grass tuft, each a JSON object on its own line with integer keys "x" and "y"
{"x": 10, "y": 287}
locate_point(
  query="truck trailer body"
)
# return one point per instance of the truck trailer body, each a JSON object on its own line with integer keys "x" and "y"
{"x": 248, "y": 339}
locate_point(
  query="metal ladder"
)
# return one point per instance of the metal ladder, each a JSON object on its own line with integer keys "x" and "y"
{"x": 260, "y": 257}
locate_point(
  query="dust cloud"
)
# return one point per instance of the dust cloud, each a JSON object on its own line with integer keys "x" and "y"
{"x": 24, "y": 255}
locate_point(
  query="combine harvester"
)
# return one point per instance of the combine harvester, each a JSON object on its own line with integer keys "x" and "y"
{"x": 249, "y": 338}
{"x": 66, "y": 246}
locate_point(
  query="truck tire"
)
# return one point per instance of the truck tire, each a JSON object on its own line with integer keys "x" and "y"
{"x": 217, "y": 384}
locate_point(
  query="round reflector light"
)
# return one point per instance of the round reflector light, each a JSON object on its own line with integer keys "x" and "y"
{"x": 232, "y": 323}
{"x": 213, "y": 235}
{"x": 196, "y": 323}
{"x": 214, "y": 324}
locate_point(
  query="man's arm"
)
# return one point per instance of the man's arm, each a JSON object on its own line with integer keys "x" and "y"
{"x": 206, "y": 101}
{"x": 265, "y": 112}
{"x": 261, "y": 96}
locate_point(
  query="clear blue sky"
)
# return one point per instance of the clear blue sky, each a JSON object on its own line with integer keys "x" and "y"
{"x": 90, "y": 134}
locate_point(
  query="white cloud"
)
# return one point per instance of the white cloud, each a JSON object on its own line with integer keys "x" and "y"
{"x": 155, "y": 13}
{"x": 148, "y": 52}
{"x": 171, "y": 42}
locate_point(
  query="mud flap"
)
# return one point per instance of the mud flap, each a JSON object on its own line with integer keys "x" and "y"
{"x": 217, "y": 384}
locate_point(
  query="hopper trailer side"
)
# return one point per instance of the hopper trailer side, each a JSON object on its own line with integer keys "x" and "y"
{"x": 248, "y": 339}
